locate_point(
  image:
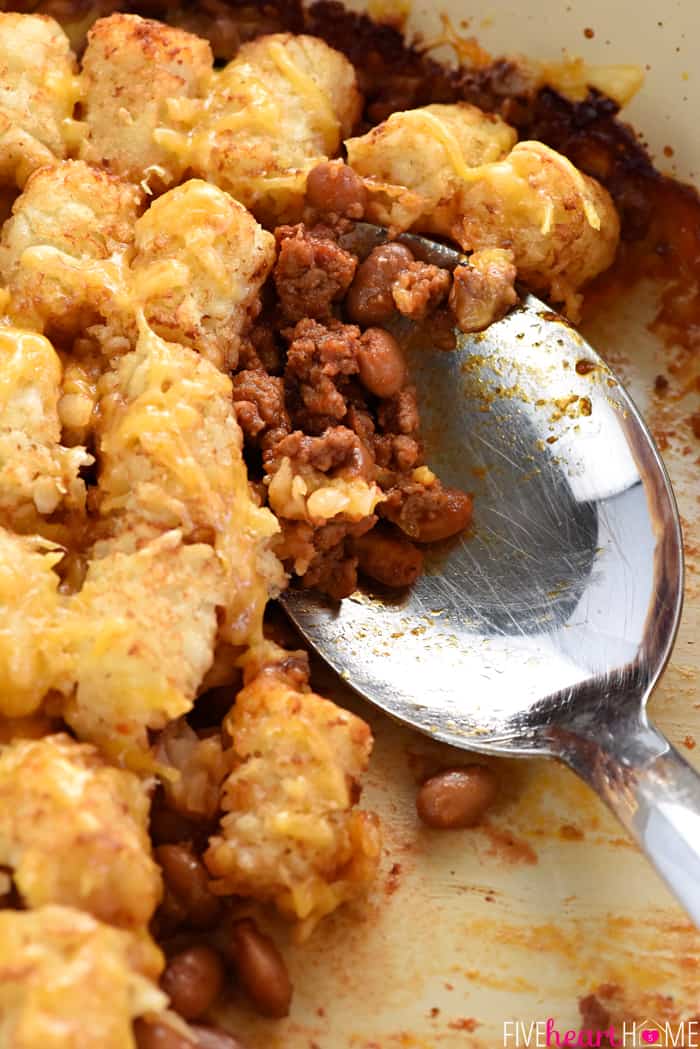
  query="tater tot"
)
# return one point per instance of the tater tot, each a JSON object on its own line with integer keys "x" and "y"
{"x": 63, "y": 253}
{"x": 290, "y": 833}
{"x": 427, "y": 151}
{"x": 136, "y": 73}
{"x": 37, "y": 474}
{"x": 32, "y": 656}
{"x": 561, "y": 225}
{"x": 171, "y": 456}
{"x": 69, "y": 981}
{"x": 140, "y": 638}
{"x": 283, "y": 104}
{"x": 59, "y": 797}
{"x": 200, "y": 262}
{"x": 38, "y": 89}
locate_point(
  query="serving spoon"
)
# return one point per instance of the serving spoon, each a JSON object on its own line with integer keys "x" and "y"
{"x": 544, "y": 630}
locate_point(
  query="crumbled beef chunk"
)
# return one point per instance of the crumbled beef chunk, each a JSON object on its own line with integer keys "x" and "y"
{"x": 399, "y": 414}
{"x": 323, "y": 557}
{"x": 312, "y": 272}
{"x": 260, "y": 409}
{"x": 419, "y": 289}
{"x": 338, "y": 448}
{"x": 360, "y": 422}
{"x": 397, "y": 452}
{"x": 483, "y": 291}
{"x": 320, "y": 359}
{"x": 260, "y": 350}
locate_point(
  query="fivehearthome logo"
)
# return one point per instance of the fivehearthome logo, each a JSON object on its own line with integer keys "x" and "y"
{"x": 632, "y": 1034}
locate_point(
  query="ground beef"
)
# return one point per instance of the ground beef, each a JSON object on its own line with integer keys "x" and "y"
{"x": 312, "y": 272}
{"x": 260, "y": 349}
{"x": 323, "y": 558}
{"x": 260, "y": 407}
{"x": 483, "y": 291}
{"x": 337, "y": 449}
{"x": 399, "y": 414}
{"x": 397, "y": 452}
{"x": 320, "y": 359}
{"x": 419, "y": 289}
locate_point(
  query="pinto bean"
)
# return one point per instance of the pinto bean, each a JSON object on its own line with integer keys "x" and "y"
{"x": 457, "y": 797}
{"x": 382, "y": 366}
{"x": 261, "y": 969}
{"x": 193, "y": 980}
{"x": 333, "y": 187}
{"x": 370, "y": 299}
{"x": 436, "y": 513}
{"x": 186, "y": 879}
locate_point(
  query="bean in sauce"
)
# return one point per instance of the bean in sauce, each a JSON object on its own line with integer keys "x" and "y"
{"x": 187, "y": 880}
{"x": 193, "y": 980}
{"x": 457, "y": 798}
{"x": 381, "y": 362}
{"x": 369, "y": 301}
{"x": 261, "y": 970}
{"x": 334, "y": 188}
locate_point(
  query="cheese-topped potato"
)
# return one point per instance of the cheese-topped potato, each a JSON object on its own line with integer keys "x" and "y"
{"x": 59, "y": 798}
{"x": 140, "y": 639}
{"x": 200, "y": 262}
{"x": 290, "y": 833}
{"x": 32, "y": 655}
{"x": 38, "y": 90}
{"x": 37, "y": 475}
{"x": 170, "y": 451}
{"x": 63, "y": 253}
{"x": 138, "y": 75}
{"x": 450, "y": 170}
{"x": 426, "y": 151}
{"x": 561, "y": 225}
{"x": 283, "y": 104}
{"x": 68, "y": 981}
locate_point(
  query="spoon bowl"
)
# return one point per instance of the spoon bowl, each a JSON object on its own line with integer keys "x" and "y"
{"x": 544, "y": 629}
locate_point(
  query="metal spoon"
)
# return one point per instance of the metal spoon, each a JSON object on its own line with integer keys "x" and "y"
{"x": 544, "y": 631}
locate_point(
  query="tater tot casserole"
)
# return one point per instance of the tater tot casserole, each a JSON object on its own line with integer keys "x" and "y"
{"x": 202, "y": 403}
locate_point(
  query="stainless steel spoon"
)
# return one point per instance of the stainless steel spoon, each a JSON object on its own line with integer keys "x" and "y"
{"x": 544, "y": 631}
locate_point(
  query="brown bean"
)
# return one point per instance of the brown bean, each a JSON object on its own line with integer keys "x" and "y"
{"x": 335, "y": 188}
{"x": 369, "y": 300}
{"x": 388, "y": 558}
{"x": 457, "y": 797}
{"x": 155, "y": 1035}
{"x": 215, "y": 1038}
{"x": 193, "y": 980}
{"x": 450, "y": 516}
{"x": 261, "y": 969}
{"x": 382, "y": 367}
{"x": 186, "y": 879}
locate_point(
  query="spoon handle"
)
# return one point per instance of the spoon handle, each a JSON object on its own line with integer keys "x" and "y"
{"x": 656, "y": 795}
